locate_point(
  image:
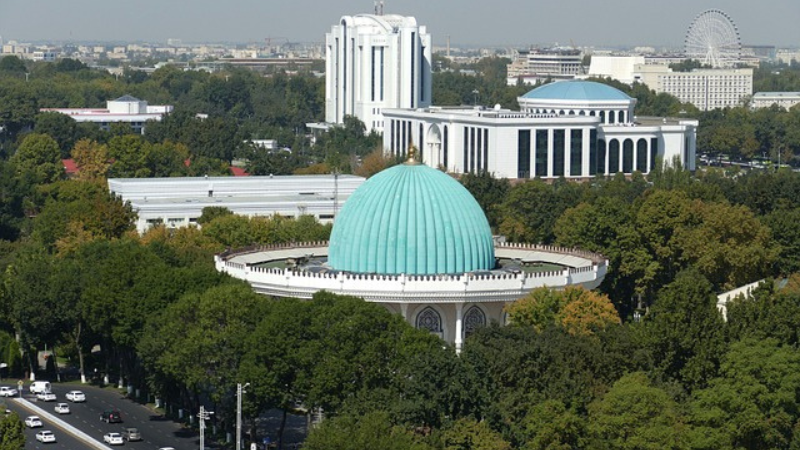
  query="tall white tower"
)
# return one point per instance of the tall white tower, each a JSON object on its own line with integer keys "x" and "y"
{"x": 374, "y": 62}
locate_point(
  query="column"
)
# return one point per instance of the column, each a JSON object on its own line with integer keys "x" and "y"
{"x": 404, "y": 311}
{"x": 459, "y": 332}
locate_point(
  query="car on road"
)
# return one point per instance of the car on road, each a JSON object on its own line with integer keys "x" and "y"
{"x": 167, "y": 448}
{"x": 6, "y": 391}
{"x": 40, "y": 386}
{"x": 111, "y": 416}
{"x": 46, "y": 396}
{"x": 33, "y": 421}
{"x": 132, "y": 434}
{"x": 113, "y": 439}
{"x": 45, "y": 436}
{"x": 76, "y": 396}
{"x": 62, "y": 408}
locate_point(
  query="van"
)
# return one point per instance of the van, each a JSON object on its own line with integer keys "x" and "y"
{"x": 37, "y": 387}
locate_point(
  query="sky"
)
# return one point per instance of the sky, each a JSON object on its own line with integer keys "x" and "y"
{"x": 598, "y": 23}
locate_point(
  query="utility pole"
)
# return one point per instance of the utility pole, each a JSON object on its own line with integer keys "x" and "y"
{"x": 239, "y": 391}
{"x": 203, "y": 415}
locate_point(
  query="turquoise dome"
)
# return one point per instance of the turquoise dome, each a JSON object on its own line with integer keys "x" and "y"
{"x": 578, "y": 90}
{"x": 411, "y": 219}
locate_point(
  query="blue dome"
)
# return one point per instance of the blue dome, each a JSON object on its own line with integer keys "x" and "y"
{"x": 411, "y": 219}
{"x": 578, "y": 90}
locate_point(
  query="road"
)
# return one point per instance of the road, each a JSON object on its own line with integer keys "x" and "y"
{"x": 156, "y": 430}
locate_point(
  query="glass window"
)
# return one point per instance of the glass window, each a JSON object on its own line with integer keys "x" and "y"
{"x": 473, "y": 319}
{"x": 576, "y": 153}
{"x": 558, "y": 152}
{"x": 653, "y": 152}
{"x": 641, "y": 155}
{"x": 592, "y": 152}
{"x": 541, "y": 153}
{"x": 524, "y": 154}
{"x": 444, "y": 155}
{"x": 429, "y": 320}
{"x": 627, "y": 156}
{"x": 601, "y": 156}
{"x": 613, "y": 156}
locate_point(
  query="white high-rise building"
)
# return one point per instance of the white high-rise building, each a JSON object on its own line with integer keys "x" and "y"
{"x": 374, "y": 62}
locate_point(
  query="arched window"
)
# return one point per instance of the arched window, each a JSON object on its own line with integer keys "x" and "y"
{"x": 622, "y": 117}
{"x": 591, "y": 113}
{"x": 627, "y": 156}
{"x": 601, "y": 156}
{"x": 602, "y": 117}
{"x": 641, "y": 155}
{"x": 613, "y": 156}
{"x": 473, "y": 319}
{"x": 612, "y": 117}
{"x": 429, "y": 320}
{"x": 582, "y": 113}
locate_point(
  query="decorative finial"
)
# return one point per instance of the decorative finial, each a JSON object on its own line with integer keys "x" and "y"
{"x": 412, "y": 155}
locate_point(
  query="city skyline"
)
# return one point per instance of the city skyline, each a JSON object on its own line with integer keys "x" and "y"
{"x": 507, "y": 23}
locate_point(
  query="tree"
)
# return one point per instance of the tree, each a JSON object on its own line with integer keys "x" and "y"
{"x": 376, "y": 161}
{"x": 60, "y": 127}
{"x": 12, "y": 431}
{"x": 12, "y": 63}
{"x": 754, "y": 403}
{"x": 551, "y": 426}
{"x": 531, "y": 209}
{"x": 469, "y": 434}
{"x": 129, "y": 153}
{"x": 490, "y": 193}
{"x": 372, "y": 431}
{"x": 683, "y": 331}
{"x": 39, "y": 159}
{"x": 636, "y": 415}
{"x": 576, "y": 309}
{"x": 92, "y": 160}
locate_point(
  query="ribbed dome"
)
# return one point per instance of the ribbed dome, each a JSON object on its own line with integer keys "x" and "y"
{"x": 576, "y": 90}
{"x": 411, "y": 219}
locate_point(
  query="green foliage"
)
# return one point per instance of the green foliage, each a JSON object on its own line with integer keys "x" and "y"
{"x": 551, "y": 426}
{"x": 372, "y": 431}
{"x": 469, "y": 434}
{"x": 684, "y": 331}
{"x": 636, "y": 415}
{"x": 12, "y": 432}
{"x": 754, "y": 403}
{"x": 38, "y": 158}
{"x": 530, "y": 210}
{"x": 60, "y": 127}
{"x": 490, "y": 193}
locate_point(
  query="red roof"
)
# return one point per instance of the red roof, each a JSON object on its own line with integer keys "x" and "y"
{"x": 239, "y": 172}
{"x": 70, "y": 166}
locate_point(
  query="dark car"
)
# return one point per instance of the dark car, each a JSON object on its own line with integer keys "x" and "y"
{"x": 111, "y": 416}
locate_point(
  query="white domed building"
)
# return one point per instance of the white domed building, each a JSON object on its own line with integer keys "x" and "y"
{"x": 575, "y": 129}
{"x": 415, "y": 240}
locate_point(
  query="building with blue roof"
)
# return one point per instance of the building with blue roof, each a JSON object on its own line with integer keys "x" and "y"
{"x": 413, "y": 239}
{"x": 575, "y": 129}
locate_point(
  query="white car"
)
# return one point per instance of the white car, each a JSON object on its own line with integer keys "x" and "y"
{"x": 113, "y": 439}
{"x": 46, "y": 396}
{"x": 62, "y": 408}
{"x": 6, "y": 391}
{"x": 76, "y": 396}
{"x": 33, "y": 421}
{"x": 45, "y": 436}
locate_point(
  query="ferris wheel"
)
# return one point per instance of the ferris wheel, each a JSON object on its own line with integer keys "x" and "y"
{"x": 713, "y": 39}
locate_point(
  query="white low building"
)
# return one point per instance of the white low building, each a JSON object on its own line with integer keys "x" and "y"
{"x": 574, "y": 129}
{"x": 126, "y": 109}
{"x": 179, "y": 202}
{"x": 785, "y": 100}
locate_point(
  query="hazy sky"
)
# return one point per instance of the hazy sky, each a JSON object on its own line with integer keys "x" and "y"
{"x": 491, "y": 22}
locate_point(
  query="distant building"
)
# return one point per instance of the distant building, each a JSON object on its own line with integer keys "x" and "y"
{"x": 126, "y": 109}
{"x": 704, "y": 88}
{"x": 179, "y": 202}
{"x": 573, "y": 129}
{"x": 785, "y": 100}
{"x": 375, "y": 62}
{"x": 619, "y": 68}
{"x": 537, "y": 65}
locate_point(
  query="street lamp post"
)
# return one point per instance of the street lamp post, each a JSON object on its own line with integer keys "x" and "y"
{"x": 475, "y": 93}
{"x": 203, "y": 415}
{"x": 239, "y": 391}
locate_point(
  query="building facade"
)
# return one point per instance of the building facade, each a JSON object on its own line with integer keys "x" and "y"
{"x": 785, "y": 100}
{"x": 704, "y": 88}
{"x": 179, "y": 202}
{"x": 536, "y": 65}
{"x": 414, "y": 240}
{"x": 126, "y": 109}
{"x": 572, "y": 129}
{"x": 374, "y": 62}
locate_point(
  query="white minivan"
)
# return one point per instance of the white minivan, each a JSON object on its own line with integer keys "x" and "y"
{"x": 40, "y": 386}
